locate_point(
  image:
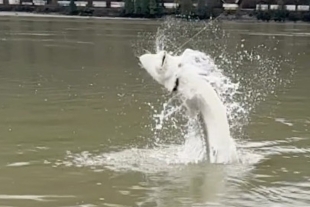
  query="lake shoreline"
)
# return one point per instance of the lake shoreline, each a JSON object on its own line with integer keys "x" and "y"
{"x": 223, "y": 18}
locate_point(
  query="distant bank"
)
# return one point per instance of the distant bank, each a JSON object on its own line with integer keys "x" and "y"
{"x": 59, "y": 15}
{"x": 120, "y": 13}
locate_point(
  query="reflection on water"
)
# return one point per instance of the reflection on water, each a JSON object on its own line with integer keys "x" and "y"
{"x": 76, "y": 123}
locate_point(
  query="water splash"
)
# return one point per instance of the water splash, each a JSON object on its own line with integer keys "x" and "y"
{"x": 241, "y": 89}
{"x": 177, "y": 139}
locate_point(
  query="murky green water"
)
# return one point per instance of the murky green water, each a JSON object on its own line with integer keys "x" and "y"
{"x": 74, "y": 86}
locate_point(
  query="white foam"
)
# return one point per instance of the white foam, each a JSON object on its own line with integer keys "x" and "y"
{"x": 18, "y": 164}
{"x": 32, "y": 197}
{"x": 283, "y": 121}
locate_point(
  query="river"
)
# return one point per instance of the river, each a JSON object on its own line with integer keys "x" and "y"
{"x": 77, "y": 123}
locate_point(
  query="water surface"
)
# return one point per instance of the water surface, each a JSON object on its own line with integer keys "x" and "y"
{"x": 72, "y": 90}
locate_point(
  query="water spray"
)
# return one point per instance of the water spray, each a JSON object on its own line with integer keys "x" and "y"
{"x": 200, "y": 31}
